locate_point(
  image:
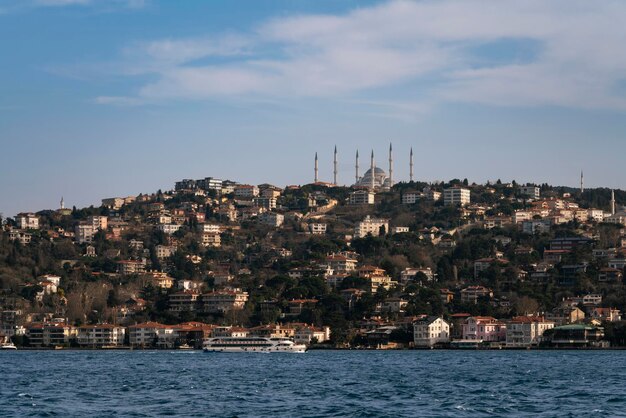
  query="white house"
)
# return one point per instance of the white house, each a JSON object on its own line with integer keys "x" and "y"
{"x": 430, "y": 331}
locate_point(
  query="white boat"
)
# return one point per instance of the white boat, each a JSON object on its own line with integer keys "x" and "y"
{"x": 8, "y": 346}
{"x": 252, "y": 345}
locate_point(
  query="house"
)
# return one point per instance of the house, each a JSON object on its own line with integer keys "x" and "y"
{"x": 410, "y": 273}
{"x": 472, "y": 294}
{"x": 308, "y": 334}
{"x": 431, "y": 331}
{"x": 526, "y": 331}
{"x": 158, "y": 279}
{"x": 446, "y": 295}
{"x": 606, "y": 314}
{"x": 565, "y": 315}
{"x": 399, "y": 229}
{"x": 371, "y": 226}
{"x": 484, "y": 328}
{"x": 297, "y": 306}
{"x": 393, "y": 305}
{"x": 610, "y": 275}
{"x": 483, "y": 264}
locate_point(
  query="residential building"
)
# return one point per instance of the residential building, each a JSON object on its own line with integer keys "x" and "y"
{"x": 341, "y": 263}
{"x": 410, "y": 198}
{"x": 131, "y": 267}
{"x": 309, "y": 334}
{"x": 272, "y": 219}
{"x": 224, "y": 300}
{"x": 184, "y": 301}
{"x": 317, "y": 228}
{"x": 101, "y": 335}
{"x": 526, "y": 331}
{"x": 532, "y": 192}
{"x": 84, "y": 232}
{"x": 210, "y": 239}
{"x": 606, "y": 314}
{"x": 471, "y": 294}
{"x": 246, "y": 191}
{"x": 431, "y": 331}
{"x": 27, "y": 221}
{"x": 169, "y": 228}
{"x": 371, "y": 226}
{"x": 484, "y": 328}
{"x": 158, "y": 279}
{"x": 456, "y": 196}
{"x": 361, "y": 197}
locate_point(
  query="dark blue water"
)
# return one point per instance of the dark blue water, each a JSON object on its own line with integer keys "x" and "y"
{"x": 315, "y": 384}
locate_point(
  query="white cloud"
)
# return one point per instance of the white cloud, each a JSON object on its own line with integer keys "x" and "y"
{"x": 397, "y": 45}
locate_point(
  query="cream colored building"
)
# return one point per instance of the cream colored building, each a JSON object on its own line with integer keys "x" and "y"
{"x": 371, "y": 226}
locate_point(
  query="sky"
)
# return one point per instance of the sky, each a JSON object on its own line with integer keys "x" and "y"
{"x": 104, "y": 98}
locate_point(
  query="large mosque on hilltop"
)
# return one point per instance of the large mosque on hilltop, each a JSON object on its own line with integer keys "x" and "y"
{"x": 375, "y": 178}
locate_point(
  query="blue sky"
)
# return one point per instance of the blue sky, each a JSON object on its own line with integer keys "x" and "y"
{"x": 102, "y": 98}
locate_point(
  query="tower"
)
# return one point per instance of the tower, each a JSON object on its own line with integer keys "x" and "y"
{"x": 390, "y": 166}
{"x": 582, "y": 184}
{"x": 411, "y": 165}
{"x": 612, "y": 202}
{"x": 373, "y": 171}
{"x": 316, "y": 178}
{"x": 357, "y": 168}
{"x": 62, "y": 203}
{"x": 335, "y": 166}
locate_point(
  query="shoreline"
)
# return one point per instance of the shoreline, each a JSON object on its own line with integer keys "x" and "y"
{"x": 127, "y": 348}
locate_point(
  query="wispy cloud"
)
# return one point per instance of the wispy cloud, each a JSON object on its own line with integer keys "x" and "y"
{"x": 26, "y": 5}
{"x": 433, "y": 50}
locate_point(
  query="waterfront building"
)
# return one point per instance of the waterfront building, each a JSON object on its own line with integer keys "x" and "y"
{"x": 526, "y": 331}
{"x": 430, "y": 331}
{"x": 484, "y": 328}
{"x": 101, "y": 335}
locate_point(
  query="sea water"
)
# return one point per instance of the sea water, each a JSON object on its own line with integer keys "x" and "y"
{"x": 315, "y": 384}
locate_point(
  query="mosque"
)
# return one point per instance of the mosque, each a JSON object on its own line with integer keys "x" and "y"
{"x": 375, "y": 178}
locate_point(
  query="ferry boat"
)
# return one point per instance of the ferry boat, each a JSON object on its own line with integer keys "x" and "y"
{"x": 252, "y": 345}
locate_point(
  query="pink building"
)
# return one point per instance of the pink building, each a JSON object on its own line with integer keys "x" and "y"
{"x": 485, "y": 328}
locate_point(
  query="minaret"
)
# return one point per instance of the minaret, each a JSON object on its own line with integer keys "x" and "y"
{"x": 411, "y": 165}
{"x": 356, "y": 175}
{"x": 62, "y": 203}
{"x": 390, "y": 166}
{"x": 373, "y": 171}
{"x": 612, "y": 202}
{"x": 316, "y": 178}
{"x": 335, "y": 166}
{"x": 582, "y": 184}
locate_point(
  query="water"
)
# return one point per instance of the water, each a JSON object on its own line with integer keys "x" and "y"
{"x": 315, "y": 384}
